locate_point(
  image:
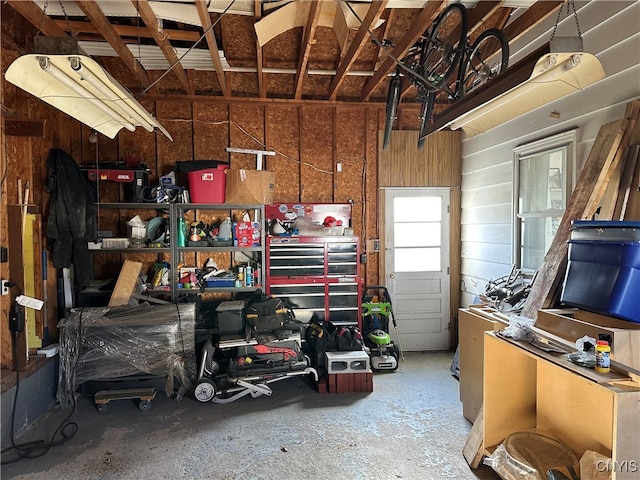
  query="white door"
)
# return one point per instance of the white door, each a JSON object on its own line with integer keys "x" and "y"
{"x": 417, "y": 265}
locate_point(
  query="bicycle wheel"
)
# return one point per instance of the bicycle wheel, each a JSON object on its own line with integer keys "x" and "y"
{"x": 425, "y": 118}
{"x": 488, "y": 57}
{"x": 443, "y": 49}
{"x": 393, "y": 98}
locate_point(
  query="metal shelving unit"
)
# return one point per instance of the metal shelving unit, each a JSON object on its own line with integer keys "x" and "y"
{"x": 176, "y": 253}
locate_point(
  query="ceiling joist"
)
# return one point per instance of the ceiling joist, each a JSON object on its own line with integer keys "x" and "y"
{"x": 373, "y": 15}
{"x": 151, "y": 21}
{"x": 201, "y": 5}
{"x": 305, "y": 50}
{"x": 97, "y": 17}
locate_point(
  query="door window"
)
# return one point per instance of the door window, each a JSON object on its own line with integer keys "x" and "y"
{"x": 417, "y": 233}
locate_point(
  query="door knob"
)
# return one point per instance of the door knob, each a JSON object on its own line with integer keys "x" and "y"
{"x": 392, "y": 275}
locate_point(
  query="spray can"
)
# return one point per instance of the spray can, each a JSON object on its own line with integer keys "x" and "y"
{"x": 603, "y": 352}
{"x": 248, "y": 276}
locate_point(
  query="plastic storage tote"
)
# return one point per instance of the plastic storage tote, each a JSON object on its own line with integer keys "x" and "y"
{"x": 604, "y": 275}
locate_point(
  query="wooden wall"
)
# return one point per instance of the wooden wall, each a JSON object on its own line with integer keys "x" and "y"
{"x": 308, "y": 138}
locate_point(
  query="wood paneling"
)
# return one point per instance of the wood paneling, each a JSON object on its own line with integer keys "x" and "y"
{"x": 437, "y": 165}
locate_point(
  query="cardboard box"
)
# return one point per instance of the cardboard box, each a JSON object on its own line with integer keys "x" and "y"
{"x": 250, "y": 187}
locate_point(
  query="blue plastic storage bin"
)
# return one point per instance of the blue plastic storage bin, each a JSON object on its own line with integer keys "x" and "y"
{"x": 604, "y": 276}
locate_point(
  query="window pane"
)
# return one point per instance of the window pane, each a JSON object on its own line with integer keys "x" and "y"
{"x": 416, "y": 259}
{"x": 537, "y": 235}
{"x": 543, "y": 182}
{"x": 417, "y": 209}
{"x": 416, "y": 234}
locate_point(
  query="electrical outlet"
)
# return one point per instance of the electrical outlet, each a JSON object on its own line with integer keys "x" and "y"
{"x": 4, "y": 286}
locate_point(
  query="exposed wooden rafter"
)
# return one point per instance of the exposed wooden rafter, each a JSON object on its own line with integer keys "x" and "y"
{"x": 37, "y": 18}
{"x": 201, "y": 6}
{"x": 88, "y": 28}
{"x": 262, "y": 88}
{"x": 96, "y": 16}
{"x": 150, "y": 20}
{"x": 529, "y": 19}
{"x": 109, "y": 29}
{"x": 305, "y": 50}
{"x": 373, "y": 15}
{"x": 480, "y": 16}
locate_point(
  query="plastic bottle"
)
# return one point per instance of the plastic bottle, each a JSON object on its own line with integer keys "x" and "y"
{"x": 603, "y": 351}
{"x": 224, "y": 232}
{"x": 182, "y": 232}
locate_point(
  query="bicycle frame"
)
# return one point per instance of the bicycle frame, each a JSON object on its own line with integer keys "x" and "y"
{"x": 444, "y": 53}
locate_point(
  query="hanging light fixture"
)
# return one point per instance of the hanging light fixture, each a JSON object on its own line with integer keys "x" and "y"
{"x": 80, "y": 87}
{"x": 554, "y": 76}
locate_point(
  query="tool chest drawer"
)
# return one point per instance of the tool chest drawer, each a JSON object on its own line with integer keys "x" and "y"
{"x": 313, "y": 256}
{"x": 333, "y": 299}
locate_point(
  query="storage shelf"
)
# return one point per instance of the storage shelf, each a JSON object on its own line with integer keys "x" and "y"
{"x": 218, "y": 249}
{"x": 131, "y": 250}
{"x": 175, "y": 254}
{"x": 196, "y": 291}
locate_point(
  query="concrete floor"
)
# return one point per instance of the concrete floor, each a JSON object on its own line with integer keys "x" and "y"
{"x": 410, "y": 427}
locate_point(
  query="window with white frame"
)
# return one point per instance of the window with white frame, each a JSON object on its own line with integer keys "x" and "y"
{"x": 543, "y": 181}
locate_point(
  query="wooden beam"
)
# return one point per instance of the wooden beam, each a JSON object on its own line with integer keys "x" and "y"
{"x": 151, "y": 21}
{"x": 590, "y": 188}
{"x": 626, "y": 184}
{"x": 373, "y": 15}
{"x": 529, "y": 19}
{"x": 35, "y": 15}
{"x": 94, "y": 13}
{"x": 262, "y": 87}
{"x": 205, "y": 19}
{"x": 479, "y": 16}
{"x": 132, "y": 31}
{"x": 15, "y": 127}
{"x": 422, "y": 22}
{"x": 305, "y": 47}
{"x": 387, "y": 16}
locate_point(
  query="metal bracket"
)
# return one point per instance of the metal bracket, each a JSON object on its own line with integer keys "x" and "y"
{"x": 258, "y": 153}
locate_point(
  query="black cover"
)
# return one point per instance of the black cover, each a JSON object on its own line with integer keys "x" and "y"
{"x": 72, "y": 216}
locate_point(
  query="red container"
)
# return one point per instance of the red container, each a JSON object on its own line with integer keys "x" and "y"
{"x": 207, "y": 185}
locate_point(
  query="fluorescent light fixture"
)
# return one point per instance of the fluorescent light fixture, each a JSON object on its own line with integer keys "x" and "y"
{"x": 554, "y": 76}
{"x": 78, "y": 86}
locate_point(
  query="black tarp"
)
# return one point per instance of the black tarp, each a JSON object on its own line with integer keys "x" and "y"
{"x": 72, "y": 219}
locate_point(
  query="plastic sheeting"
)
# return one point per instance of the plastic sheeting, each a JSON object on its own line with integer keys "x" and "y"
{"x": 104, "y": 343}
